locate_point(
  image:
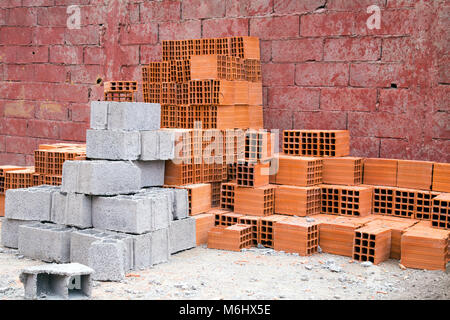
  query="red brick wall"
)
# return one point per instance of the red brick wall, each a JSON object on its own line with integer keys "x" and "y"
{"x": 322, "y": 67}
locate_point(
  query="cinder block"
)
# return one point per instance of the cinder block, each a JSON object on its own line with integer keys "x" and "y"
{"x": 82, "y": 240}
{"x": 113, "y": 144}
{"x": 128, "y": 116}
{"x": 73, "y": 209}
{"x": 10, "y": 232}
{"x": 151, "y": 248}
{"x": 32, "y": 203}
{"x": 151, "y": 172}
{"x": 57, "y": 281}
{"x": 99, "y": 115}
{"x": 46, "y": 242}
{"x": 137, "y": 214}
{"x": 178, "y": 199}
{"x": 100, "y": 177}
{"x": 106, "y": 258}
{"x": 182, "y": 235}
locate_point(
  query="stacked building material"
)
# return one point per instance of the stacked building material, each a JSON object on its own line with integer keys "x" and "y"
{"x": 298, "y": 201}
{"x": 232, "y": 238}
{"x": 298, "y": 171}
{"x": 344, "y": 170}
{"x": 440, "y": 217}
{"x": 336, "y": 233}
{"x": 203, "y": 223}
{"x": 316, "y": 143}
{"x": 296, "y": 235}
{"x": 215, "y": 81}
{"x": 347, "y": 200}
{"x": 120, "y": 91}
{"x": 372, "y": 243}
{"x": 266, "y": 234}
{"x": 441, "y": 174}
{"x": 424, "y": 247}
{"x": 380, "y": 172}
{"x": 414, "y": 174}
{"x": 104, "y": 215}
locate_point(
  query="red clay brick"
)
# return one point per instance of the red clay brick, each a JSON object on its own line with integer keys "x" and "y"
{"x": 80, "y": 112}
{"x": 73, "y": 131}
{"x": 52, "y": 111}
{"x": 320, "y": 120}
{"x": 299, "y": 50}
{"x": 225, "y": 28}
{"x": 43, "y": 129}
{"x": 50, "y": 73}
{"x": 66, "y": 54}
{"x": 397, "y": 49}
{"x": 83, "y": 36}
{"x": 321, "y": 74}
{"x": 16, "y": 36}
{"x": 48, "y": 35}
{"x": 71, "y": 93}
{"x": 380, "y": 124}
{"x": 190, "y": 29}
{"x": 198, "y": 9}
{"x": 345, "y": 5}
{"x": 348, "y": 99}
{"x": 278, "y": 74}
{"x": 18, "y": 109}
{"x": 328, "y": 24}
{"x": 94, "y": 55}
{"x": 146, "y": 33}
{"x": 52, "y": 16}
{"x": 150, "y": 53}
{"x": 296, "y": 6}
{"x": 394, "y": 100}
{"x": 352, "y": 49}
{"x": 389, "y": 23}
{"x": 378, "y": 75}
{"x": 22, "y": 17}
{"x": 293, "y": 98}
{"x": 275, "y": 27}
{"x": 364, "y": 146}
{"x": 86, "y": 74}
{"x": 24, "y": 145}
{"x": 160, "y": 11}
{"x": 18, "y": 72}
{"x": 14, "y": 127}
{"x": 239, "y": 8}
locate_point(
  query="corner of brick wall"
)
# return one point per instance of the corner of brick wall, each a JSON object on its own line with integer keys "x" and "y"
{"x": 322, "y": 67}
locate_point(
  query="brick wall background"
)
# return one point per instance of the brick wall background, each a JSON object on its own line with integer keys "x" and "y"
{"x": 322, "y": 67}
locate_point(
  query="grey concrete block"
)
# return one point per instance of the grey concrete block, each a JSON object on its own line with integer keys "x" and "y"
{"x": 73, "y": 209}
{"x": 81, "y": 241}
{"x": 134, "y": 116}
{"x": 157, "y": 145}
{"x": 152, "y": 172}
{"x": 128, "y": 116}
{"x": 46, "y": 242}
{"x": 10, "y": 232}
{"x": 57, "y": 281}
{"x": 113, "y": 144}
{"x": 166, "y": 144}
{"x": 106, "y": 258}
{"x": 151, "y": 248}
{"x": 178, "y": 199}
{"x": 99, "y": 115}
{"x": 29, "y": 203}
{"x": 100, "y": 177}
{"x": 137, "y": 214}
{"x": 182, "y": 235}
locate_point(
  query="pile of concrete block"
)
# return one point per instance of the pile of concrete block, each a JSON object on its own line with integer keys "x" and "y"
{"x": 111, "y": 212}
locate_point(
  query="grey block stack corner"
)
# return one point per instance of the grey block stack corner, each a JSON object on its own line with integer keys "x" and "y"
{"x": 111, "y": 213}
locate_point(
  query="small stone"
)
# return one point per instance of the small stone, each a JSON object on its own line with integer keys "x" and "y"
{"x": 308, "y": 267}
{"x": 337, "y": 297}
{"x": 260, "y": 246}
{"x": 319, "y": 249}
{"x": 310, "y": 220}
{"x": 366, "y": 264}
{"x": 335, "y": 268}
{"x": 304, "y": 278}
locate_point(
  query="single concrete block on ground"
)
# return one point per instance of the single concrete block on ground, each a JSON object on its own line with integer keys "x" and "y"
{"x": 57, "y": 281}
{"x": 139, "y": 213}
{"x": 32, "y": 203}
{"x": 106, "y": 258}
{"x": 128, "y": 116}
{"x": 45, "y": 241}
{"x": 152, "y": 172}
{"x": 73, "y": 209}
{"x": 10, "y": 232}
{"x": 100, "y": 177}
{"x": 113, "y": 144}
{"x": 182, "y": 235}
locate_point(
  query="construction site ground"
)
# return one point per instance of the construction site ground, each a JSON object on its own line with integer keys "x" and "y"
{"x": 256, "y": 273}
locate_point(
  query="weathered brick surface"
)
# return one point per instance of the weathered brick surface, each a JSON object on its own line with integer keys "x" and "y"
{"x": 322, "y": 67}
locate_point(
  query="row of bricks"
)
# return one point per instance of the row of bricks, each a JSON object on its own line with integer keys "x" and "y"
{"x": 212, "y": 117}
{"x": 373, "y": 239}
{"x": 243, "y": 47}
{"x": 204, "y": 92}
{"x": 203, "y": 67}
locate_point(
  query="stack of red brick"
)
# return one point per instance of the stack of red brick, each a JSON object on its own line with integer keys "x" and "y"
{"x": 47, "y": 169}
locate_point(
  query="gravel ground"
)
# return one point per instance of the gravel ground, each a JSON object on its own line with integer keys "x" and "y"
{"x": 202, "y": 273}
